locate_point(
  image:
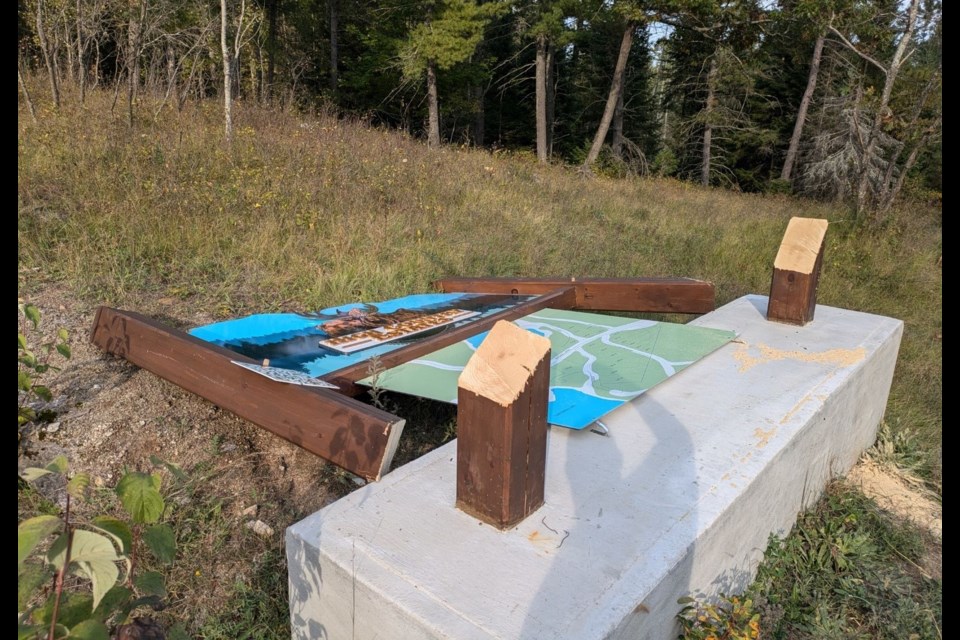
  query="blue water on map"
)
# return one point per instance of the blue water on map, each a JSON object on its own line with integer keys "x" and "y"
{"x": 575, "y": 409}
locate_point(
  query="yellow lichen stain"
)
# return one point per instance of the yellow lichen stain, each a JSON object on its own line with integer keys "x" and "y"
{"x": 763, "y": 437}
{"x": 534, "y": 536}
{"x": 839, "y": 357}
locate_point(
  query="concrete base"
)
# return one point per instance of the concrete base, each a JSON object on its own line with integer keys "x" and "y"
{"x": 680, "y": 497}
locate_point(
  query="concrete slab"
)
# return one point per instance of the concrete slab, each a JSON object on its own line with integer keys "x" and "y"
{"x": 680, "y": 497}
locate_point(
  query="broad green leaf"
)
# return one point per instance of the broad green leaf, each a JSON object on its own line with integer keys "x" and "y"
{"x": 78, "y": 484}
{"x": 24, "y": 382}
{"x": 64, "y": 349}
{"x": 43, "y": 392}
{"x": 30, "y": 631}
{"x": 30, "y": 532}
{"x": 27, "y": 358}
{"x": 75, "y": 607}
{"x": 29, "y": 578}
{"x": 58, "y": 464}
{"x": 32, "y": 314}
{"x": 62, "y": 334}
{"x": 140, "y": 495}
{"x": 161, "y": 542}
{"x": 90, "y": 630}
{"x": 151, "y": 583}
{"x": 115, "y": 599}
{"x": 21, "y": 341}
{"x": 116, "y": 529}
{"x": 94, "y": 558}
{"x": 32, "y": 473}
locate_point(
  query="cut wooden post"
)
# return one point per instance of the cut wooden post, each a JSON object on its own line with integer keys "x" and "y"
{"x": 502, "y": 426}
{"x": 796, "y": 272}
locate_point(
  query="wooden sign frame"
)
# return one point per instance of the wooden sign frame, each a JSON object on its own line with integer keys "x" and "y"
{"x": 333, "y": 424}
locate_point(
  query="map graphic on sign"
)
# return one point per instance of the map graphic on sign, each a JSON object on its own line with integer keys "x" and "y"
{"x": 597, "y": 362}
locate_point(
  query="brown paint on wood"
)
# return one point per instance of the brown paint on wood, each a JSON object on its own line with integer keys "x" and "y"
{"x": 555, "y": 298}
{"x": 650, "y": 295}
{"x": 355, "y": 436}
{"x": 502, "y": 426}
{"x": 796, "y": 272}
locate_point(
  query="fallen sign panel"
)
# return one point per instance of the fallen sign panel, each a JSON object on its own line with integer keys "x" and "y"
{"x": 597, "y": 363}
{"x": 317, "y": 344}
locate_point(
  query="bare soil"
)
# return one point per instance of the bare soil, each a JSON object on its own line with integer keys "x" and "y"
{"x": 906, "y": 499}
{"x": 109, "y": 415}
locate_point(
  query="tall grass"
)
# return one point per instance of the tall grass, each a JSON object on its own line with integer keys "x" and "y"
{"x": 309, "y": 211}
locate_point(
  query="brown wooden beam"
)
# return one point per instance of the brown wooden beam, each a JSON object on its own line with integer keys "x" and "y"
{"x": 796, "y": 272}
{"x": 650, "y": 295}
{"x": 562, "y": 297}
{"x": 502, "y": 426}
{"x": 353, "y": 435}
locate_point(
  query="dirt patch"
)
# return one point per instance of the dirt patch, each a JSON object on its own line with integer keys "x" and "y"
{"x": 906, "y": 499}
{"x": 108, "y": 415}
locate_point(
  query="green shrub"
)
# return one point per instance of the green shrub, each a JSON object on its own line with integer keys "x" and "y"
{"x": 33, "y": 363}
{"x": 95, "y": 565}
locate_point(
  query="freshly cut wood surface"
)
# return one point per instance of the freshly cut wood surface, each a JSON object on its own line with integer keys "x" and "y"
{"x": 502, "y": 365}
{"x": 801, "y": 245}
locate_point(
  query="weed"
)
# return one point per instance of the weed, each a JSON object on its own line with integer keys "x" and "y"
{"x": 844, "y": 571}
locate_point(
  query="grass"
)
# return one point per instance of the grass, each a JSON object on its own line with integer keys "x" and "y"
{"x": 307, "y": 211}
{"x": 847, "y": 571}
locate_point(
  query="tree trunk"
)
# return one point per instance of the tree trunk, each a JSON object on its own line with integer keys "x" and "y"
{"x": 134, "y": 42}
{"x": 615, "y": 88}
{"x": 616, "y": 133}
{"x": 788, "y": 162}
{"x": 47, "y": 56}
{"x": 271, "y": 46}
{"x": 863, "y": 189}
{"x": 68, "y": 47}
{"x": 892, "y": 192}
{"x": 478, "y": 132}
{"x": 227, "y": 75}
{"x": 433, "y": 132}
{"x": 707, "y": 126}
{"x": 26, "y": 94}
{"x": 334, "y": 48}
{"x": 551, "y": 98}
{"x": 81, "y": 54}
{"x": 543, "y": 150}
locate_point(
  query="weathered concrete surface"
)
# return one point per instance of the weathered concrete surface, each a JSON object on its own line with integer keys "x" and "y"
{"x": 679, "y": 498}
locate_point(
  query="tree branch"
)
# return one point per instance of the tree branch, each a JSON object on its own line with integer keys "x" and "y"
{"x": 853, "y": 48}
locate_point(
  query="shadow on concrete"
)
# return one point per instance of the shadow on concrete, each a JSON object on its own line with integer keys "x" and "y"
{"x": 645, "y": 506}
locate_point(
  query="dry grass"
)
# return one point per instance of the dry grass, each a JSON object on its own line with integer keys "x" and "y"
{"x": 305, "y": 212}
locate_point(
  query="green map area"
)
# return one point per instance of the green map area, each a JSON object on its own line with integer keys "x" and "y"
{"x": 597, "y": 362}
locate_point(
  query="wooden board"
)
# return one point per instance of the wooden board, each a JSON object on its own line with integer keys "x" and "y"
{"x": 651, "y": 295}
{"x": 355, "y": 436}
{"x": 502, "y": 426}
{"x": 796, "y": 272}
{"x": 346, "y": 378}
